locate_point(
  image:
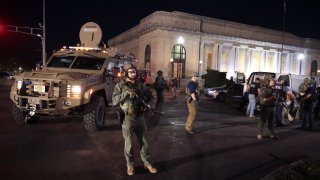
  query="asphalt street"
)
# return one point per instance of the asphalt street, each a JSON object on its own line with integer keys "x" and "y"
{"x": 223, "y": 147}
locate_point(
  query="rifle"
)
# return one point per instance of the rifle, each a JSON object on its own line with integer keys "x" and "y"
{"x": 120, "y": 115}
{"x": 147, "y": 106}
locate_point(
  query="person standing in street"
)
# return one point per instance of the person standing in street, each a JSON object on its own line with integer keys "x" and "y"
{"x": 192, "y": 99}
{"x": 281, "y": 89}
{"x": 308, "y": 100}
{"x": 267, "y": 101}
{"x": 317, "y": 107}
{"x": 254, "y": 90}
{"x": 174, "y": 86}
{"x": 133, "y": 96}
{"x": 148, "y": 80}
{"x": 160, "y": 85}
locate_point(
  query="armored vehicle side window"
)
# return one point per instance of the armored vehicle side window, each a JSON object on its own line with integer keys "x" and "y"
{"x": 61, "y": 61}
{"x": 88, "y": 63}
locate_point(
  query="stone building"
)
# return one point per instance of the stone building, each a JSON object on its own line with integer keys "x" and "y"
{"x": 180, "y": 43}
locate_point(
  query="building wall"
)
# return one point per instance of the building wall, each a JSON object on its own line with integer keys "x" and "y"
{"x": 216, "y": 44}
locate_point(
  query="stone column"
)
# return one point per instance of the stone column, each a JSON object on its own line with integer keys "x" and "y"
{"x": 248, "y": 62}
{"x": 231, "y": 67}
{"x": 262, "y": 60}
{"x": 236, "y": 59}
{"x": 275, "y": 62}
{"x": 219, "y": 57}
{"x": 200, "y": 68}
{"x": 279, "y": 64}
{"x": 288, "y": 63}
{"x": 215, "y": 58}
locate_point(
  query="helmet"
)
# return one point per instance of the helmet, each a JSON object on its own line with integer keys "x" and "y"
{"x": 159, "y": 73}
{"x": 129, "y": 66}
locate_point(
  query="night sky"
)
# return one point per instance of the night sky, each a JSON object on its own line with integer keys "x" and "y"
{"x": 65, "y": 18}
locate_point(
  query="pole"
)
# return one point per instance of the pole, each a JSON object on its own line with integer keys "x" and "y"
{"x": 44, "y": 34}
{"x": 283, "y": 21}
{"x": 283, "y": 25}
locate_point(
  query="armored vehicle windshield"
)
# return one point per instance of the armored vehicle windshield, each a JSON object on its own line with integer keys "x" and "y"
{"x": 76, "y": 62}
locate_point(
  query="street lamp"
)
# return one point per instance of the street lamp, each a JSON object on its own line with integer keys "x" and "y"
{"x": 300, "y": 58}
{"x": 180, "y": 40}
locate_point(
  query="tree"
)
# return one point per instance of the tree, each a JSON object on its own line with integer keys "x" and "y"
{"x": 214, "y": 78}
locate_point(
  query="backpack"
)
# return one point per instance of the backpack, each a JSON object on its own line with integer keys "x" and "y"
{"x": 160, "y": 83}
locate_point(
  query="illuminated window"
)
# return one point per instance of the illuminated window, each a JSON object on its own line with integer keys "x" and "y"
{"x": 178, "y": 53}
{"x": 147, "y": 54}
{"x": 179, "y": 61}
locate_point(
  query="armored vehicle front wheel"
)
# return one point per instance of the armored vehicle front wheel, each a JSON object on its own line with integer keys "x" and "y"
{"x": 94, "y": 114}
{"x": 20, "y": 116}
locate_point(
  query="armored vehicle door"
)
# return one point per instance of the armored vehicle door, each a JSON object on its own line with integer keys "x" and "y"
{"x": 113, "y": 75}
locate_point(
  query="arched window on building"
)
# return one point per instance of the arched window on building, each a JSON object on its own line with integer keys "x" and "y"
{"x": 147, "y": 58}
{"x": 314, "y": 68}
{"x": 178, "y": 64}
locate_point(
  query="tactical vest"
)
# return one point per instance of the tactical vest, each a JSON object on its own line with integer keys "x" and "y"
{"x": 303, "y": 87}
{"x": 160, "y": 83}
{"x": 133, "y": 106}
{"x": 253, "y": 88}
{"x": 266, "y": 92}
{"x": 280, "y": 92}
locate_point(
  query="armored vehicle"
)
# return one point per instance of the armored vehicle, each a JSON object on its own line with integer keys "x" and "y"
{"x": 75, "y": 80}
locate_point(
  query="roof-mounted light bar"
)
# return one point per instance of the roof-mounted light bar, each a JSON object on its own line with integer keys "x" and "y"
{"x": 85, "y": 48}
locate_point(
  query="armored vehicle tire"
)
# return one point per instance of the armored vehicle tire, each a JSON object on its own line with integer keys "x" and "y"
{"x": 94, "y": 114}
{"x": 20, "y": 116}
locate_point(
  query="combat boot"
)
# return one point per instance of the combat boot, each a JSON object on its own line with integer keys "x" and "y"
{"x": 130, "y": 170}
{"x": 150, "y": 168}
{"x": 275, "y": 137}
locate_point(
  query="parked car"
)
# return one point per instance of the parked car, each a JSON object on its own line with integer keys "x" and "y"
{"x": 217, "y": 93}
{"x": 5, "y": 75}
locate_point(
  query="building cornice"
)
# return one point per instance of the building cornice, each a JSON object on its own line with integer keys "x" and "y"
{"x": 204, "y": 26}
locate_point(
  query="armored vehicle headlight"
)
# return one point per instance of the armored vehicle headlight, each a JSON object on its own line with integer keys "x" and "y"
{"x": 76, "y": 89}
{"x": 19, "y": 84}
{"x": 73, "y": 91}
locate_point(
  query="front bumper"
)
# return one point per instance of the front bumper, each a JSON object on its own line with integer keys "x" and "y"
{"x": 44, "y": 105}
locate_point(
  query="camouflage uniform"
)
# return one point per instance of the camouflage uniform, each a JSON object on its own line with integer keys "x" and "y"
{"x": 134, "y": 122}
{"x": 308, "y": 99}
{"x": 303, "y": 87}
{"x": 267, "y": 110}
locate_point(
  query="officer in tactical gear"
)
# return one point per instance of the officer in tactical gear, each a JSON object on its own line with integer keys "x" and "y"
{"x": 280, "y": 98}
{"x": 160, "y": 84}
{"x": 307, "y": 97}
{"x": 132, "y": 96}
{"x": 267, "y": 102}
{"x": 303, "y": 87}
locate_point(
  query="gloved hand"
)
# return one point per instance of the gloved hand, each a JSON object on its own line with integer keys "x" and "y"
{"x": 131, "y": 93}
